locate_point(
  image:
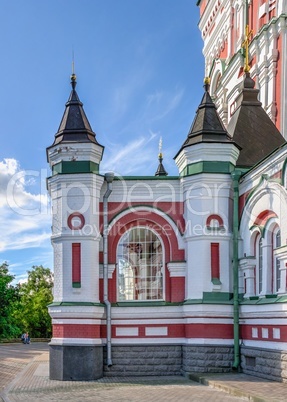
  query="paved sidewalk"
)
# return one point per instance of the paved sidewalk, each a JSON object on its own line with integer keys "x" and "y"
{"x": 24, "y": 376}
{"x": 254, "y": 388}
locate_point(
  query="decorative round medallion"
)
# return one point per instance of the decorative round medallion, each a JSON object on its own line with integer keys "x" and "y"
{"x": 76, "y": 221}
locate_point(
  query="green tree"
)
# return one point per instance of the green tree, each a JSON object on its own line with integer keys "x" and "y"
{"x": 35, "y": 295}
{"x": 8, "y": 298}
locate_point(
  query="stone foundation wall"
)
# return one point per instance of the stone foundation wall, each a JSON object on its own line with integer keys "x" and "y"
{"x": 264, "y": 363}
{"x": 207, "y": 359}
{"x": 144, "y": 360}
{"x": 76, "y": 363}
{"x": 168, "y": 360}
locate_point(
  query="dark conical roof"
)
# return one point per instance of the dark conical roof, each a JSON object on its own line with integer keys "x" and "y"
{"x": 207, "y": 125}
{"x": 74, "y": 126}
{"x": 160, "y": 170}
{"x": 251, "y": 127}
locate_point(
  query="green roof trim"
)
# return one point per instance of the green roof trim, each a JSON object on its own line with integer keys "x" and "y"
{"x": 216, "y": 297}
{"x": 72, "y": 167}
{"x": 216, "y": 281}
{"x": 268, "y": 299}
{"x": 207, "y": 167}
{"x": 144, "y": 178}
{"x": 145, "y": 303}
{"x": 212, "y": 298}
{"x": 74, "y": 304}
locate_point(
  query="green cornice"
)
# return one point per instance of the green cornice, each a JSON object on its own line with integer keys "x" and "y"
{"x": 72, "y": 167}
{"x": 147, "y": 303}
{"x": 215, "y": 281}
{"x": 212, "y": 298}
{"x": 144, "y": 178}
{"x": 268, "y": 299}
{"x": 217, "y": 297}
{"x": 207, "y": 167}
{"x": 80, "y": 304}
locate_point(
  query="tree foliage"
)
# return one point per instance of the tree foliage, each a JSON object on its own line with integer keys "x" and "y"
{"x": 35, "y": 295}
{"x": 8, "y": 299}
{"x": 24, "y": 306}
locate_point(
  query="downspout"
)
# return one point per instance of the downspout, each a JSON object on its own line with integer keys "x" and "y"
{"x": 235, "y": 177}
{"x": 109, "y": 177}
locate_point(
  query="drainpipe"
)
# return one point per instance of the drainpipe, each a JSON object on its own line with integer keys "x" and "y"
{"x": 109, "y": 177}
{"x": 235, "y": 177}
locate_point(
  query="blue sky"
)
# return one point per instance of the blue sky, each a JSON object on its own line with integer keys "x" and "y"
{"x": 140, "y": 71}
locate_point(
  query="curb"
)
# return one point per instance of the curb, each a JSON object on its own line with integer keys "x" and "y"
{"x": 228, "y": 389}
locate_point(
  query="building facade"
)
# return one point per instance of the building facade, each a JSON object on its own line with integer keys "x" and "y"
{"x": 223, "y": 28}
{"x": 161, "y": 275}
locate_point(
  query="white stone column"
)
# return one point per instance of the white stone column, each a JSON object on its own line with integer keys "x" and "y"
{"x": 247, "y": 268}
{"x": 267, "y": 268}
{"x": 281, "y": 254}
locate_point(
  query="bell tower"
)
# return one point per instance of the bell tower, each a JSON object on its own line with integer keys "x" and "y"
{"x": 205, "y": 162}
{"x": 74, "y": 188}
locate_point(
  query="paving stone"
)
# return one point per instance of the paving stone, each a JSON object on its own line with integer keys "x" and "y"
{"x": 25, "y": 377}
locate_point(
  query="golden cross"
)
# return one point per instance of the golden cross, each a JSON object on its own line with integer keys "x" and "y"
{"x": 245, "y": 45}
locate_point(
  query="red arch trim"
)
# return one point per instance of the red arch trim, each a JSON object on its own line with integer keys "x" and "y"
{"x": 155, "y": 222}
{"x": 214, "y": 216}
{"x": 263, "y": 217}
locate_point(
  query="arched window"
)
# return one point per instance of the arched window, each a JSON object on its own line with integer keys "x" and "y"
{"x": 276, "y": 261}
{"x": 140, "y": 266}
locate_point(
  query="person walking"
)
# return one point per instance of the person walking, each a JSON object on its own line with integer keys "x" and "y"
{"x": 26, "y": 338}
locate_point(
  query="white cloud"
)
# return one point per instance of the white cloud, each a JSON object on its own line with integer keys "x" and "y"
{"x": 24, "y": 217}
{"x": 132, "y": 157}
{"x": 138, "y": 155}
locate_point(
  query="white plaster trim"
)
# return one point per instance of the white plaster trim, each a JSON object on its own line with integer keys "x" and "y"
{"x": 156, "y": 331}
{"x": 209, "y": 320}
{"x": 265, "y": 344}
{"x": 204, "y": 341}
{"x": 276, "y": 333}
{"x": 75, "y": 341}
{"x": 111, "y": 269}
{"x": 148, "y": 341}
{"x": 177, "y": 269}
{"x": 261, "y": 321}
{"x": 127, "y": 331}
{"x": 124, "y": 321}
{"x": 172, "y": 341}
{"x": 84, "y": 321}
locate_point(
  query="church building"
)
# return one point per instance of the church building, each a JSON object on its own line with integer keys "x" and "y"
{"x": 168, "y": 275}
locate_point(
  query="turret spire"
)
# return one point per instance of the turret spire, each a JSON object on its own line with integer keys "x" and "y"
{"x": 207, "y": 125}
{"x": 74, "y": 126}
{"x": 160, "y": 170}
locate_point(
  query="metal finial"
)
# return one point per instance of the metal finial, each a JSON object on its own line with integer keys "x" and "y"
{"x": 247, "y": 40}
{"x": 206, "y": 83}
{"x": 160, "y": 170}
{"x": 73, "y": 76}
